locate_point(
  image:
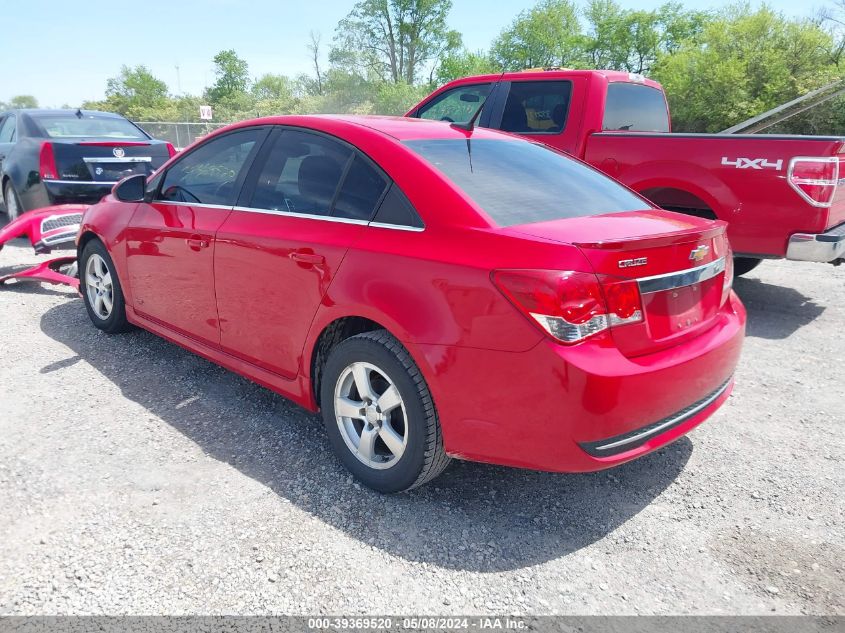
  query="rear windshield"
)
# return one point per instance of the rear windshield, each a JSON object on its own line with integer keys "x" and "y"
{"x": 635, "y": 107}
{"x": 87, "y": 126}
{"x": 517, "y": 182}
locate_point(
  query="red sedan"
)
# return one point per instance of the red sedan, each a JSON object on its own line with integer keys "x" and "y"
{"x": 436, "y": 291}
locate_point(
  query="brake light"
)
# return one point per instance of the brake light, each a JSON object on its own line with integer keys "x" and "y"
{"x": 47, "y": 162}
{"x": 814, "y": 179}
{"x": 171, "y": 150}
{"x": 570, "y": 306}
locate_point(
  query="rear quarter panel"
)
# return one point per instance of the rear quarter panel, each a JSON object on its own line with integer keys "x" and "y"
{"x": 741, "y": 178}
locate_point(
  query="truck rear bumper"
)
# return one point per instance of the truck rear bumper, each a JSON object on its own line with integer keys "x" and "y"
{"x": 817, "y": 247}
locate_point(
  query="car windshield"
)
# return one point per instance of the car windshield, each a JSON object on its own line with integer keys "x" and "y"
{"x": 518, "y": 182}
{"x": 87, "y": 126}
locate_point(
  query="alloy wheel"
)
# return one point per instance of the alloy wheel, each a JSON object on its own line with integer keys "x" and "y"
{"x": 98, "y": 286}
{"x": 371, "y": 415}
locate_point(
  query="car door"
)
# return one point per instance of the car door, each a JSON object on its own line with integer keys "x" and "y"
{"x": 7, "y": 138}
{"x": 170, "y": 240}
{"x": 541, "y": 110}
{"x": 458, "y": 104}
{"x": 307, "y": 199}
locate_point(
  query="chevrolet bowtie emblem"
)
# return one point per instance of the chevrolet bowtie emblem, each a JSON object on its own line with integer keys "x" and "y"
{"x": 699, "y": 253}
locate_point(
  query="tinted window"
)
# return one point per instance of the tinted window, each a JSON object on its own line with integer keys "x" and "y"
{"x": 457, "y": 104}
{"x": 536, "y": 107}
{"x": 517, "y": 182}
{"x": 209, "y": 174}
{"x": 70, "y": 125}
{"x": 7, "y": 129}
{"x": 635, "y": 107}
{"x": 361, "y": 191}
{"x": 301, "y": 174}
{"x": 396, "y": 209}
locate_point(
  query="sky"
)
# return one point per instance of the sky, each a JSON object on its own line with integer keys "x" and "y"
{"x": 63, "y": 52}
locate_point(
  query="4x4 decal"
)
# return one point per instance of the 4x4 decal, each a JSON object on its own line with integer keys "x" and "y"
{"x": 752, "y": 163}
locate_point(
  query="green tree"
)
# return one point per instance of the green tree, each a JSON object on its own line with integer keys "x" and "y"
{"x": 393, "y": 39}
{"x": 744, "y": 63}
{"x": 20, "y": 102}
{"x": 232, "y": 74}
{"x": 632, "y": 40}
{"x": 133, "y": 91}
{"x": 549, "y": 34}
{"x": 463, "y": 63}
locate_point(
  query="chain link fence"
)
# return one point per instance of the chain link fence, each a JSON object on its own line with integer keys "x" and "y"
{"x": 179, "y": 134}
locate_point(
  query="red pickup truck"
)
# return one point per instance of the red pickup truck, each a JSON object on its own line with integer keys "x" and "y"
{"x": 780, "y": 194}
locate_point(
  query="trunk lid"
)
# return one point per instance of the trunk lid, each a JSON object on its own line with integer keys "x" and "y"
{"x": 107, "y": 161}
{"x": 679, "y": 263}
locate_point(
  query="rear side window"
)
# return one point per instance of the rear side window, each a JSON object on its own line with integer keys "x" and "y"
{"x": 537, "y": 107}
{"x": 519, "y": 182}
{"x": 71, "y": 125}
{"x": 397, "y": 210}
{"x": 634, "y": 107}
{"x": 7, "y": 129}
{"x": 313, "y": 175}
{"x": 210, "y": 174}
{"x": 456, "y": 105}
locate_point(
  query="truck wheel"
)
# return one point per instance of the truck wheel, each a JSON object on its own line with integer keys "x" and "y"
{"x": 100, "y": 289}
{"x": 379, "y": 414}
{"x": 12, "y": 202}
{"x": 743, "y": 265}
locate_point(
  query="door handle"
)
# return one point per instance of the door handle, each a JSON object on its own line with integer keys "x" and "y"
{"x": 196, "y": 243}
{"x": 307, "y": 258}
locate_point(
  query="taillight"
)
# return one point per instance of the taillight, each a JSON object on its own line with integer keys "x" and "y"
{"x": 728, "y": 282}
{"x": 570, "y": 306}
{"x": 47, "y": 162}
{"x": 171, "y": 150}
{"x": 814, "y": 179}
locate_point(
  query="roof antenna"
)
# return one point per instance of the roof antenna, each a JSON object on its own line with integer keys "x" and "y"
{"x": 79, "y": 114}
{"x": 469, "y": 126}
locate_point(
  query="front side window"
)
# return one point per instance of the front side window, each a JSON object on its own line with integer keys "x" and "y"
{"x": 635, "y": 107}
{"x": 7, "y": 129}
{"x": 456, "y": 105}
{"x": 519, "y": 182}
{"x": 210, "y": 173}
{"x": 536, "y": 107}
{"x": 310, "y": 174}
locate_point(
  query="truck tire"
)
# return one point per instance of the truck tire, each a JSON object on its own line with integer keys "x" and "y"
{"x": 743, "y": 265}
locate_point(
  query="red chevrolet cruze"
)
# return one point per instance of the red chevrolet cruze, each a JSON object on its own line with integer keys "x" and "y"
{"x": 435, "y": 291}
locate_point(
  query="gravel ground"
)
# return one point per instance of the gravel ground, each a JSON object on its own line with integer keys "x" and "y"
{"x": 137, "y": 478}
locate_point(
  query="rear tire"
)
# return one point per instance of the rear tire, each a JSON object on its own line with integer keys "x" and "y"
{"x": 744, "y": 265}
{"x": 100, "y": 289}
{"x": 390, "y": 438}
{"x": 11, "y": 201}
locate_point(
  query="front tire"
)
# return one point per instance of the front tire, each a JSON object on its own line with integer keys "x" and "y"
{"x": 744, "y": 265}
{"x": 379, "y": 414}
{"x": 11, "y": 201}
{"x": 101, "y": 289}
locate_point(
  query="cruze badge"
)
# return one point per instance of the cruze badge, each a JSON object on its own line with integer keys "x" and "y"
{"x": 699, "y": 253}
{"x": 118, "y": 152}
{"x": 638, "y": 261}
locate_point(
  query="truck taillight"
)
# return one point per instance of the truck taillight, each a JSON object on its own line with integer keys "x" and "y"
{"x": 570, "y": 306}
{"x": 171, "y": 150}
{"x": 47, "y": 162}
{"x": 814, "y": 179}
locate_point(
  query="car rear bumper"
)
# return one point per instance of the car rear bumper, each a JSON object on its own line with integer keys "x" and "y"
{"x": 72, "y": 191}
{"x": 553, "y": 407}
{"x": 817, "y": 247}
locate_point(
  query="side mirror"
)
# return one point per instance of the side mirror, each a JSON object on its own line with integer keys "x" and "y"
{"x": 131, "y": 188}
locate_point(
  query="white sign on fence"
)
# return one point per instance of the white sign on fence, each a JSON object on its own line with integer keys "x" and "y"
{"x": 205, "y": 113}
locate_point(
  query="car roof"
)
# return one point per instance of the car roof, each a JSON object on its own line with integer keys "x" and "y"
{"x": 396, "y": 127}
{"x": 545, "y": 74}
{"x": 71, "y": 111}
